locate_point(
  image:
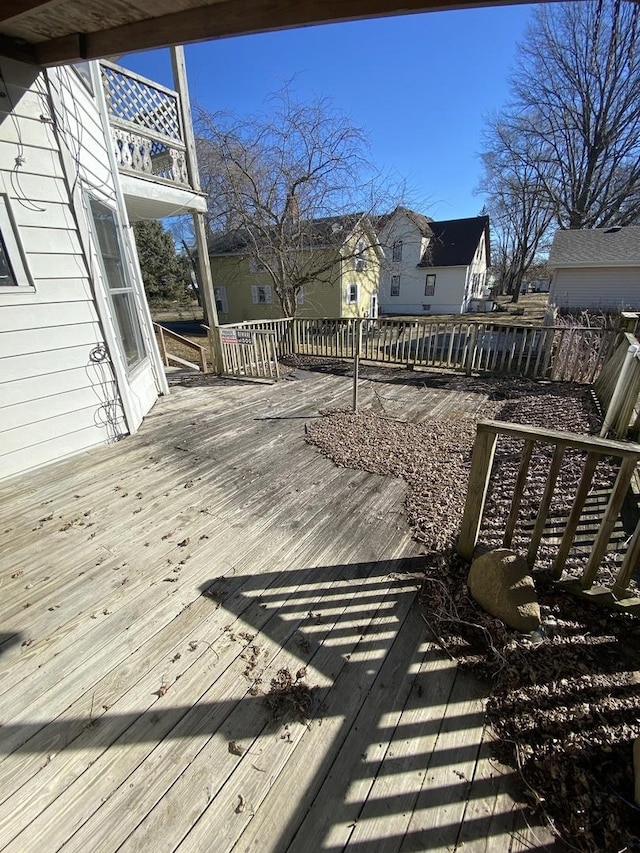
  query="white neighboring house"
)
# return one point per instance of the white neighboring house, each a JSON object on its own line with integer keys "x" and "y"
{"x": 433, "y": 267}
{"x": 82, "y": 151}
{"x": 596, "y": 269}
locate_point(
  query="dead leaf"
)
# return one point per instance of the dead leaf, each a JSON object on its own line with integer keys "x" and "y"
{"x": 235, "y": 748}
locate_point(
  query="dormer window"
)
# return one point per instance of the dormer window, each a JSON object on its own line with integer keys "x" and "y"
{"x": 397, "y": 251}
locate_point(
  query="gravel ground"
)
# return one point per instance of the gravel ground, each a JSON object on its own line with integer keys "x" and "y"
{"x": 567, "y": 708}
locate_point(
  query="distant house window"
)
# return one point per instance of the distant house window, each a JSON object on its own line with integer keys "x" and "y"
{"x": 300, "y": 296}
{"x": 359, "y": 261}
{"x": 13, "y": 270}
{"x": 395, "y": 285}
{"x": 352, "y": 294}
{"x": 222, "y": 306}
{"x": 430, "y": 285}
{"x": 426, "y": 306}
{"x": 397, "y": 251}
{"x": 261, "y": 294}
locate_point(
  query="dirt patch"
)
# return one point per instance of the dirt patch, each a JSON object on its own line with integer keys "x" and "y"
{"x": 566, "y": 707}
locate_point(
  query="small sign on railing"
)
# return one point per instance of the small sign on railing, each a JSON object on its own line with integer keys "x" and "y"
{"x": 228, "y": 336}
{"x": 244, "y": 336}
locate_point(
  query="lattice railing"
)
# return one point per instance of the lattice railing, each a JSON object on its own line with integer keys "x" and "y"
{"x": 145, "y": 124}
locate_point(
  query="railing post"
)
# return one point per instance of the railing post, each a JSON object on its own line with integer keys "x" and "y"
{"x": 481, "y": 462}
{"x": 471, "y": 351}
{"x": 356, "y": 362}
{"x": 294, "y": 336}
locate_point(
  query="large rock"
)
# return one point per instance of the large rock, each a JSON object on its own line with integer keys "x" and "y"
{"x": 636, "y": 767}
{"x": 501, "y": 584}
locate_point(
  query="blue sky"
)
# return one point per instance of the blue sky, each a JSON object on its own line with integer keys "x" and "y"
{"x": 419, "y": 85}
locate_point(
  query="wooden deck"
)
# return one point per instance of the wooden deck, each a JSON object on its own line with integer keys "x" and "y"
{"x": 131, "y": 704}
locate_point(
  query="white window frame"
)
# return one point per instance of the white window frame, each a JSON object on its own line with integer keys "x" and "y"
{"x": 110, "y": 292}
{"x": 395, "y": 285}
{"x": 396, "y": 251}
{"x": 255, "y": 294}
{"x": 430, "y": 284}
{"x": 220, "y": 295}
{"x": 13, "y": 251}
{"x": 350, "y": 288}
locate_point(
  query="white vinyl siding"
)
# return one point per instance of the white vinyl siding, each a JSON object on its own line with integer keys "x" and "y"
{"x": 601, "y": 288}
{"x": 57, "y": 381}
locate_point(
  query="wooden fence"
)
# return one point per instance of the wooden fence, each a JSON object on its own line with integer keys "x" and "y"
{"x": 593, "y": 451}
{"x": 249, "y": 353}
{"x": 618, "y": 387}
{"x": 558, "y": 352}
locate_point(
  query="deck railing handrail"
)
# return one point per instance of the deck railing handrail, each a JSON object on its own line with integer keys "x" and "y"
{"x": 167, "y": 356}
{"x": 595, "y": 449}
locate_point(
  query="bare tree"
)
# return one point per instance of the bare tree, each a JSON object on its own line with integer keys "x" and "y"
{"x": 278, "y": 184}
{"x": 516, "y": 201}
{"x": 576, "y": 108}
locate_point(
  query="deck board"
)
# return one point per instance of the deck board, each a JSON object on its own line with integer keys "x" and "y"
{"x": 122, "y": 685}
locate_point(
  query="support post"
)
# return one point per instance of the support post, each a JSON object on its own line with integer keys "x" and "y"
{"x": 473, "y": 336}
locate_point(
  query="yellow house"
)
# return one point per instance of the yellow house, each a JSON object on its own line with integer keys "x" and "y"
{"x": 334, "y": 270}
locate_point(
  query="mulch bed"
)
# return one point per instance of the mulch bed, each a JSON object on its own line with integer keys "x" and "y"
{"x": 565, "y": 705}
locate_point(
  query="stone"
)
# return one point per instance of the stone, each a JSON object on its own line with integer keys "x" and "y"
{"x": 501, "y": 584}
{"x": 636, "y": 768}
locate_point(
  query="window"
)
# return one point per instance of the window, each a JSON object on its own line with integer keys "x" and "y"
{"x": 13, "y": 270}
{"x": 430, "y": 285}
{"x": 352, "y": 294}
{"x": 261, "y": 294}
{"x": 300, "y": 296}
{"x": 222, "y": 306}
{"x": 359, "y": 261}
{"x": 395, "y": 285}
{"x": 397, "y": 251}
{"x": 426, "y": 306}
{"x": 119, "y": 290}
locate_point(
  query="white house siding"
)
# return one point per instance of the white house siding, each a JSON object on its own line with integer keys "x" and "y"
{"x": 56, "y": 397}
{"x": 477, "y": 273}
{"x": 602, "y": 288}
{"x": 450, "y": 281}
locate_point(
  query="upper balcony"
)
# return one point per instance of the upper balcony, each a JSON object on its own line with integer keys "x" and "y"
{"x": 150, "y": 144}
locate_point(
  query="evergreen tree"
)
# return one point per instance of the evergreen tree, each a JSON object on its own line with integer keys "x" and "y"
{"x": 166, "y": 274}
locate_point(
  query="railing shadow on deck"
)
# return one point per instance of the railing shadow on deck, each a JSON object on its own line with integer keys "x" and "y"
{"x": 357, "y": 627}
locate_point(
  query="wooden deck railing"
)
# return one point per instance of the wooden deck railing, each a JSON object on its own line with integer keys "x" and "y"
{"x": 168, "y": 358}
{"x": 618, "y": 387}
{"x": 558, "y": 352}
{"x": 594, "y": 449}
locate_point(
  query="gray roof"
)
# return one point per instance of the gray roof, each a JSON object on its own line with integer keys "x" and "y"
{"x": 316, "y": 233}
{"x": 596, "y": 247}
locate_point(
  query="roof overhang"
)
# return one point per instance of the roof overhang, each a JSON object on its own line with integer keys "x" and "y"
{"x": 56, "y": 32}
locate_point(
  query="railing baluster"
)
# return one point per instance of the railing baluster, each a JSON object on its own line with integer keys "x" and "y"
{"x": 608, "y": 521}
{"x": 545, "y": 503}
{"x": 574, "y": 516}
{"x": 517, "y": 493}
